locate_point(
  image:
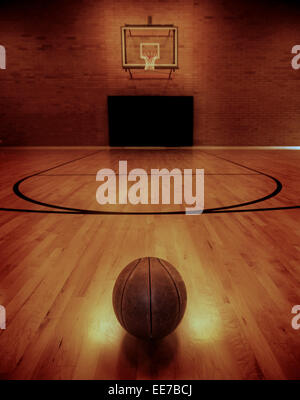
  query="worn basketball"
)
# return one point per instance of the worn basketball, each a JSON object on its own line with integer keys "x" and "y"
{"x": 149, "y": 298}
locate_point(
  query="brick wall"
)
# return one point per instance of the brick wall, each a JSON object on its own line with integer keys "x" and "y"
{"x": 64, "y": 58}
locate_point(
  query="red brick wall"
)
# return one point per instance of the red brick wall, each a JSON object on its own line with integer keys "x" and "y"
{"x": 64, "y": 58}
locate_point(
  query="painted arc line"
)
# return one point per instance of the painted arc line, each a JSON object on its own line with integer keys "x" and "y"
{"x": 66, "y": 210}
{"x": 20, "y": 194}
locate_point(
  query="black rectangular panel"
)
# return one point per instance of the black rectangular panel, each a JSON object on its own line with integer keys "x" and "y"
{"x": 150, "y": 120}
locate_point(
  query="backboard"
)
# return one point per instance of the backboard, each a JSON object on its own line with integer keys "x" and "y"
{"x": 138, "y": 41}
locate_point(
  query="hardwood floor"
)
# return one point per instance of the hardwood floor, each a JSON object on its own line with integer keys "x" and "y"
{"x": 58, "y": 267}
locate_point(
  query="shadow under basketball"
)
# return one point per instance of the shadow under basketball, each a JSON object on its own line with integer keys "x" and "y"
{"x": 150, "y": 358}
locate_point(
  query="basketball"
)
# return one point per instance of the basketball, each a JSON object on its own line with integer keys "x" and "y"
{"x": 149, "y": 298}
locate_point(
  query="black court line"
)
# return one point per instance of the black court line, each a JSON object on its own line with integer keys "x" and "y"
{"x": 206, "y": 174}
{"x": 70, "y": 210}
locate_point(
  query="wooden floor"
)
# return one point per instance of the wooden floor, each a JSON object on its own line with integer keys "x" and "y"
{"x": 58, "y": 267}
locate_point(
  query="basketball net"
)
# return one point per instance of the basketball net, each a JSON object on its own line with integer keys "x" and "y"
{"x": 150, "y": 57}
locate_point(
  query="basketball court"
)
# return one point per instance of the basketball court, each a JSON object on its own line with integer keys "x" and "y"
{"x": 61, "y": 251}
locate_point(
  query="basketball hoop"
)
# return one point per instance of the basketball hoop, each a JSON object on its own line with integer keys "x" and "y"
{"x": 149, "y": 53}
{"x": 150, "y": 57}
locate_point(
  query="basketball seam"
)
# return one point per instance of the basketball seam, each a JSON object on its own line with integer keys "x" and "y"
{"x": 123, "y": 290}
{"x": 177, "y": 291}
{"x": 150, "y": 299}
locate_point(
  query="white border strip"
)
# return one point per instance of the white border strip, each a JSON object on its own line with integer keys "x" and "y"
{"x": 149, "y": 148}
